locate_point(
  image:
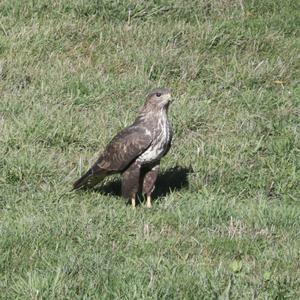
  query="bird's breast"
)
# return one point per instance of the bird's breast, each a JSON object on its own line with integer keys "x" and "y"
{"x": 161, "y": 138}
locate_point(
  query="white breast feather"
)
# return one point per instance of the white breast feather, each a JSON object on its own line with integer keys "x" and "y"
{"x": 159, "y": 145}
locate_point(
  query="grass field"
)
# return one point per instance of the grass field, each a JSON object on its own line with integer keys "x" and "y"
{"x": 226, "y": 220}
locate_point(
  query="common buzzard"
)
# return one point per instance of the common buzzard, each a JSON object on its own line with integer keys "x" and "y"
{"x": 135, "y": 152}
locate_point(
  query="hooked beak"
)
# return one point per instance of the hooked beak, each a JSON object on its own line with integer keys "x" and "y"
{"x": 170, "y": 99}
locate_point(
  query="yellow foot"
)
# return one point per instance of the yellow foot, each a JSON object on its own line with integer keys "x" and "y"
{"x": 133, "y": 202}
{"x": 148, "y": 204}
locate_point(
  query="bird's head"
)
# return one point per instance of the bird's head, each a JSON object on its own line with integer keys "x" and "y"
{"x": 159, "y": 98}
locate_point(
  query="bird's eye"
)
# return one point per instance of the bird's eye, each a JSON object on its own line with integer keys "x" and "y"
{"x": 158, "y": 94}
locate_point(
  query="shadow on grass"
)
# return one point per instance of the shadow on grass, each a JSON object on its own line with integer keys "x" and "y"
{"x": 173, "y": 179}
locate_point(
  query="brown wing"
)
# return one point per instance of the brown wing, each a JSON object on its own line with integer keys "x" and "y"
{"x": 124, "y": 148}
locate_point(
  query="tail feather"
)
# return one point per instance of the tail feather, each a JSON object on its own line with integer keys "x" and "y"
{"x": 89, "y": 179}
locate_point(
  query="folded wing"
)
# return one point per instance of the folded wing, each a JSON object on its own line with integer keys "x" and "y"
{"x": 124, "y": 149}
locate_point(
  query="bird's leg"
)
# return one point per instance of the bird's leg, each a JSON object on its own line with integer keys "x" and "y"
{"x": 130, "y": 182}
{"x": 149, "y": 179}
{"x": 133, "y": 202}
{"x": 149, "y": 201}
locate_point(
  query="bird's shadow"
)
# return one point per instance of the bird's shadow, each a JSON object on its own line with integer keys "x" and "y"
{"x": 173, "y": 179}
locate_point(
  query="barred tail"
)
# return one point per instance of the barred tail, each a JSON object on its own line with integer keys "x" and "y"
{"x": 89, "y": 179}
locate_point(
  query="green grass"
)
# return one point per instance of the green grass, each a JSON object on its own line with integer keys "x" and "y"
{"x": 73, "y": 73}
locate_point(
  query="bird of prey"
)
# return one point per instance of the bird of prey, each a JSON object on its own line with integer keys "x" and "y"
{"x": 135, "y": 152}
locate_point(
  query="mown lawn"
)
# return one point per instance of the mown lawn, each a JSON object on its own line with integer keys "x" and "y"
{"x": 226, "y": 221}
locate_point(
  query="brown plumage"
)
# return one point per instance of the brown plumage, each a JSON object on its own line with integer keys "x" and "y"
{"x": 135, "y": 152}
